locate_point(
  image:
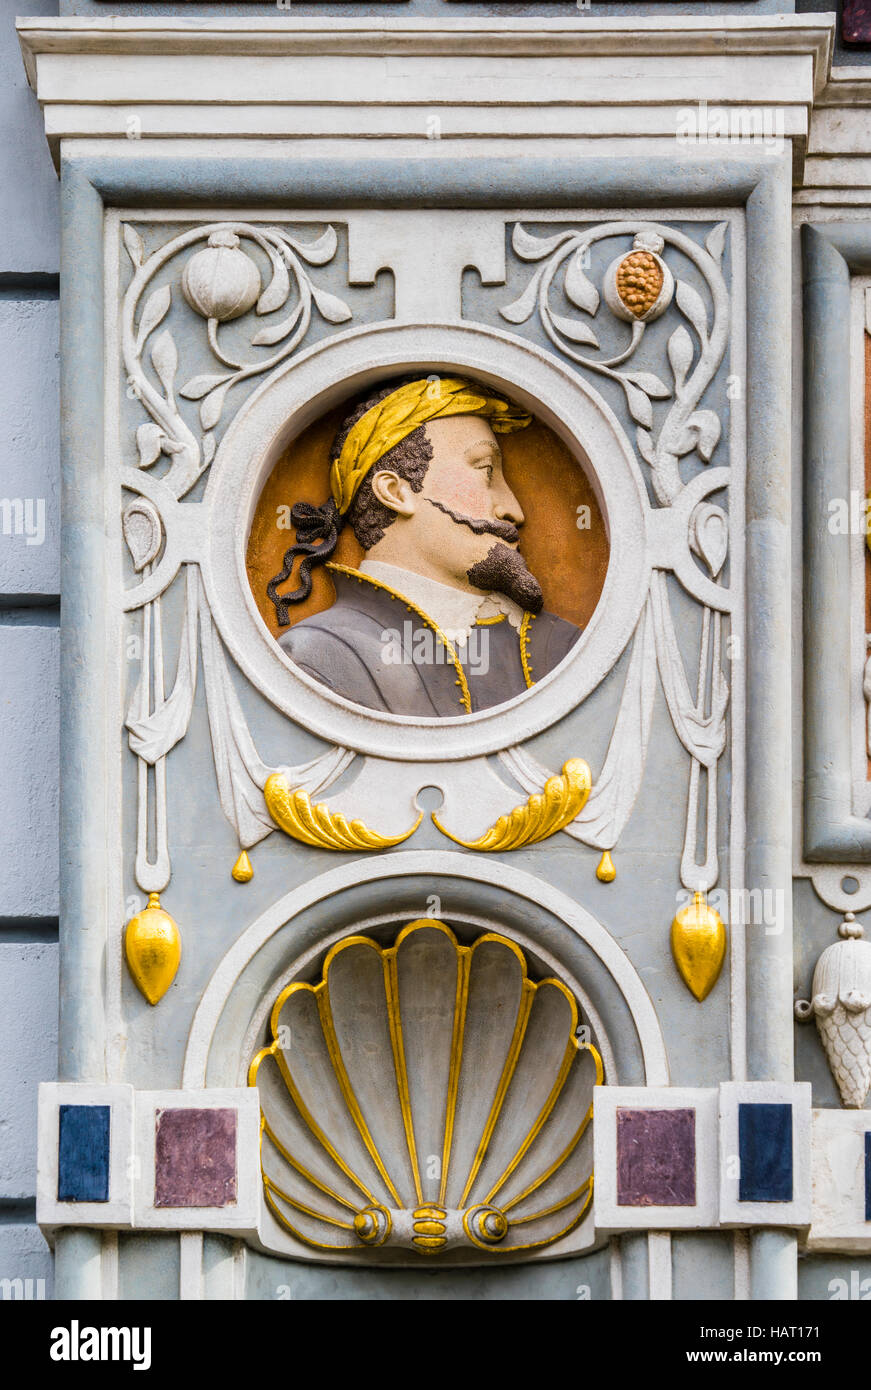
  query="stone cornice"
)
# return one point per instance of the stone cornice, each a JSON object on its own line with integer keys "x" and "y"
{"x": 672, "y": 36}
{"x": 847, "y": 87}
{"x": 490, "y": 84}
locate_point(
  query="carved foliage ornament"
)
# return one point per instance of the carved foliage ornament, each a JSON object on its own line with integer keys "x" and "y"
{"x": 221, "y": 281}
{"x": 638, "y": 288}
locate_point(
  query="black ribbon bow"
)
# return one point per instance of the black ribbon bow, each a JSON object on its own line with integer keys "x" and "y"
{"x": 317, "y": 533}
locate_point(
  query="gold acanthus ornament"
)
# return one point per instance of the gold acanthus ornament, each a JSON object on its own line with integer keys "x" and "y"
{"x": 153, "y": 947}
{"x": 541, "y": 815}
{"x": 294, "y": 813}
{"x": 698, "y": 944}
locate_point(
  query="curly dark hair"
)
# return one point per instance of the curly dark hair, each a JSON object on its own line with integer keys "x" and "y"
{"x": 317, "y": 528}
{"x": 410, "y": 458}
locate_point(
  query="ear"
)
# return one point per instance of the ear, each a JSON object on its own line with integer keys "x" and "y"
{"x": 394, "y": 491}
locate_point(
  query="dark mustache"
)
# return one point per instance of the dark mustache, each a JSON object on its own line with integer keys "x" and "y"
{"x": 505, "y": 530}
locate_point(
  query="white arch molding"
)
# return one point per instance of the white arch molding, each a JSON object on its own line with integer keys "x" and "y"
{"x": 431, "y": 864}
{"x": 286, "y": 403}
{"x": 395, "y": 919}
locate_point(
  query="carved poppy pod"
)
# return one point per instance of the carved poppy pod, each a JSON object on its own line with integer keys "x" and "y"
{"x": 639, "y": 286}
{"x": 153, "y": 947}
{"x": 426, "y": 1099}
{"x": 841, "y": 1004}
{"x": 698, "y": 944}
{"x": 221, "y": 281}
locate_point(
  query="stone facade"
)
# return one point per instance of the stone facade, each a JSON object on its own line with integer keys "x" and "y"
{"x": 450, "y": 968}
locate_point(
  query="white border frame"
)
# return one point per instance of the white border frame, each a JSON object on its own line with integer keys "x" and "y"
{"x": 242, "y": 1215}
{"x": 736, "y": 1213}
{"x": 610, "y": 1216}
{"x": 117, "y": 1212}
{"x": 838, "y": 1181}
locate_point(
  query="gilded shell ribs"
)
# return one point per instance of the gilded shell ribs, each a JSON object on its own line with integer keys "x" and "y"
{"x": 426, "y": 1097}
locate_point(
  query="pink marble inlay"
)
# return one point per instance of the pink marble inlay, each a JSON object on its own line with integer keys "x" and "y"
{"x": 656, "y": 1158}
{"x": 195, "y": 1158}
{"x": 856, "y": 21}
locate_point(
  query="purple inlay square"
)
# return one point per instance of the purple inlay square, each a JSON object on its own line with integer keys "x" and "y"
{"x": 656, "y": 1158}
{"x": 856, "y": 21}
{"x": 194, "y": 1158}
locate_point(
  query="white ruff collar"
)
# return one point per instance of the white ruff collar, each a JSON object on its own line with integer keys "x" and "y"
{"x": 455, "y": 611}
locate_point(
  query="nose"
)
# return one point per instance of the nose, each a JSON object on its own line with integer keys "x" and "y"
{"x": 506, "y": 506}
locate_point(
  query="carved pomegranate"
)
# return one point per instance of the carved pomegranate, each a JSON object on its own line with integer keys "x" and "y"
{"x": 639, "y": 286}
{"x": 221, "y": 281}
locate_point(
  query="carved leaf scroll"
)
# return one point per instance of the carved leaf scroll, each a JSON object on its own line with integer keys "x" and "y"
{"x": 167, "y": 432}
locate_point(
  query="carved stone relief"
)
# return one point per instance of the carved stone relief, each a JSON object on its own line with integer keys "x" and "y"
{"x": 220, "y": 282}
{"x": 426, "y": 1096}
{"x": 636, "y": 306}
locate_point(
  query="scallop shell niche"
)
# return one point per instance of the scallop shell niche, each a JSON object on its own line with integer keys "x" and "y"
{"x": 427, "y": 1098}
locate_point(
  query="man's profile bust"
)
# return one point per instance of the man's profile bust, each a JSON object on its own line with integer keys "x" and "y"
{"x": 443, "y": 617}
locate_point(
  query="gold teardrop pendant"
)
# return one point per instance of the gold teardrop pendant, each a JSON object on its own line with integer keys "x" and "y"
{"x": 152, "y": 944}
{"x": 698, "y": 944}
{"x": 606, "y": 873}
{"x": 242, "y": 870}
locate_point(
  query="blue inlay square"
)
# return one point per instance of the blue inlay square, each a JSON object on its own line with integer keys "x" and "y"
{"x": 765, "y": 1152}
{"x": 83, "y": 1153}
{"x": 868, "y": 1175}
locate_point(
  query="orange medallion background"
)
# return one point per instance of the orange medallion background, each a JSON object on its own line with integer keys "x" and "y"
{"x": 569, "y": 563}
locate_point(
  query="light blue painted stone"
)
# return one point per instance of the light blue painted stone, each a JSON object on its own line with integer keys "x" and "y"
{"x": 703, "y": 1264}
{"x": 27, "y": 177}
{"x": 835, "y": 1278}
{"x": 28, "y": 1055}
{"x": 29, "y": 447}
{"x": 586, "y": 1280}
{"x": 202, "y": 839}
{"x": 148, "y": 1266}
{"x": 29, "y": 704}
{"x": 24, "y": 1257}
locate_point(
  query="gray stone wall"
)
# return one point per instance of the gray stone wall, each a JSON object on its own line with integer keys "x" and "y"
{"x": 29, "y": 699}
{"x": 29, "y": 630}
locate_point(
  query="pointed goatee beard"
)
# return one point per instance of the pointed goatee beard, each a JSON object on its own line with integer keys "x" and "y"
{"x": 504, "y": 570}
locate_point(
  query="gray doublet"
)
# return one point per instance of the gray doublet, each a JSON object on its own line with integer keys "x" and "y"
{"x": 376, "y": 649}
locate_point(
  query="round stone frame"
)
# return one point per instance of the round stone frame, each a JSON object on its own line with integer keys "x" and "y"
{"x": 316, "y": 381}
